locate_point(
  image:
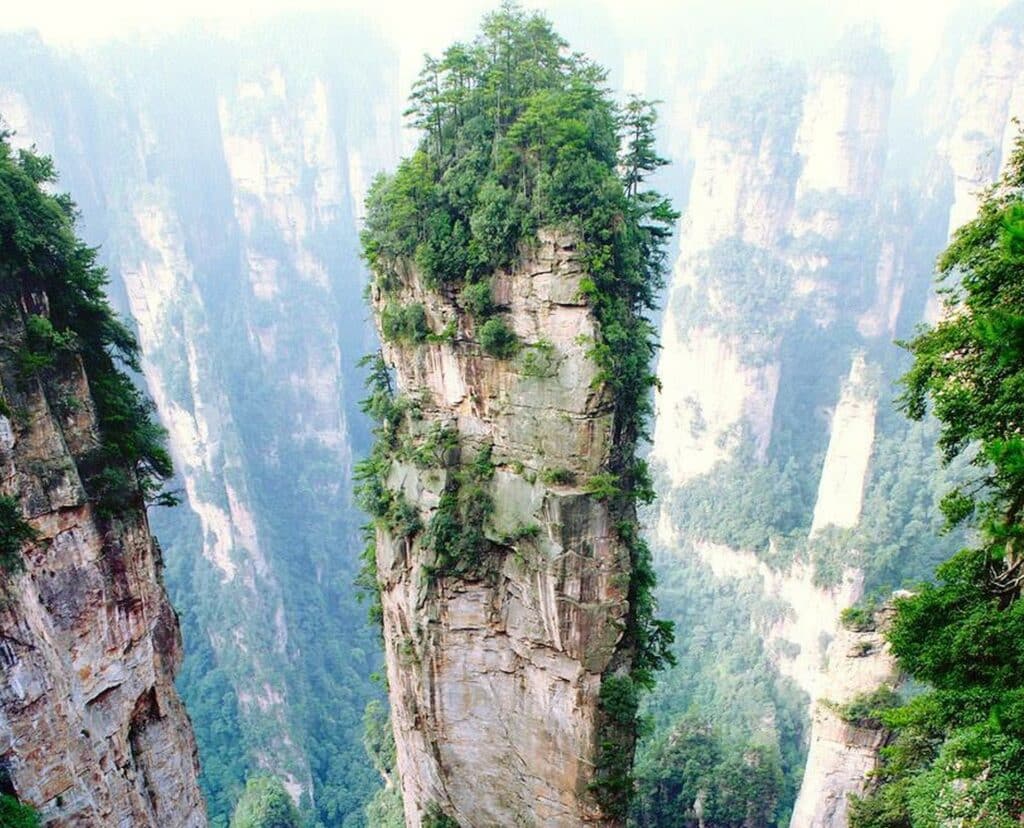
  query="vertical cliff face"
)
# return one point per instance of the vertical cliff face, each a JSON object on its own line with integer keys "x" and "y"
{"x": 495, "y": 667}
{"x": 92, "y": 730}
{"x": 845, "y": 735}
{"x": 787, "y": 480}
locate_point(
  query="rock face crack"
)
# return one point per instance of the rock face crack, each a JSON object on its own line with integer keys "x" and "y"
{"x": 92, "y": 731}
{"x": 496, "y": 718}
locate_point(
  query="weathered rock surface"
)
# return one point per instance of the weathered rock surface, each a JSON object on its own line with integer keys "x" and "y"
{"x": 791, "y": 194}
{"x": 987, "y": 94}
{"x": 843, "y": 753}
{"x": 494, "y": 678}
{"x": 92, "y": 732}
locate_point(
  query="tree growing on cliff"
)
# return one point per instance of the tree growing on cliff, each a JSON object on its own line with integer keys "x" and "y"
{"x": 520, "y": 134}
{"x": 958, "y": 754}
{"x": 40, "y": 254}
{"x": 265, "y": 804}
{"x": 15, "y": 814}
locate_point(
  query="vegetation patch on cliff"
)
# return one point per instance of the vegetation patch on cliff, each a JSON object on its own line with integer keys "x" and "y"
{"x": 958, "y": 752}
{"x": 14, "y": 534}
{"x": 520, "y": 134}
{"x": 51, "y": 279}
{"x": 15, "y": 814}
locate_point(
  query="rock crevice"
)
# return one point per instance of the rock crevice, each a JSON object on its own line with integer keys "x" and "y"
{"x": 495, "y": 667}
{"x": 92, "y": 731}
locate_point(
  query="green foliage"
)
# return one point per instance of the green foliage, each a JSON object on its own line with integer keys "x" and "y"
{"x": 859, "y": 618}
{"x": 477, "y": 300}
{"x": 766, "y": 508}
{"x": 866, "y": 709}
{"x": 385, "y": 809}
{"x": 15, "y": 814}
{"x": 436, "y": 818}
{"x": 378, "y": 738}
{"x": 613, "y": 780}
{"x": 40, "y": 252}
{"x": 265, "y": 804}
{"x": 520, "y": 134}
{"x": 756, "y": 103}
{"x": 970, "y": 366}
{"x": 745, "y": 504}
{"x": 14, "y": 534}
{"x": 726, "y": 672}
{"x": 392, "y": 205}
{"x": 742, "y": 292}
{"x": 539, "y": 360}
{"x": 603, "y": 485}
{"x": 620, "y": 694}
{"x": 433, "y": 449}
{"x": 558, "y": 477}
{"x": 456, "y": 531}
{"x": 735, "y": 785}
{"x": 43, "y": 343}
{"x": 372, "y": 494}
{"x": 404, "y": 323}
{"x": 498, "y": 339}
{"x": 958, "y": 753}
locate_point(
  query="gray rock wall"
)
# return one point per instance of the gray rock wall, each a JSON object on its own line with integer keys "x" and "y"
{"x": 494, "y": 676}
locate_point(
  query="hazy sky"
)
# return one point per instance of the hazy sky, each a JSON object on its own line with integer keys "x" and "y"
{"x": 911, "y": 28}
{"x": 73, "y": 20}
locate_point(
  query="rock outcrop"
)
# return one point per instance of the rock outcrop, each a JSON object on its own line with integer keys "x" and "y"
{"x": 844, "y": 748}
{"x": 495, "y": 668}
{"x": 92, "y": 731}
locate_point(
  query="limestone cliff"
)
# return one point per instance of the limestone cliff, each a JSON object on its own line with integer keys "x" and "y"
{"x": 92, "y": 731}
{"x": 845, "y": 735}
{"x": 245, "y": 301}
{"x": 766, "y": 262}
{"x": 495, "y": 668}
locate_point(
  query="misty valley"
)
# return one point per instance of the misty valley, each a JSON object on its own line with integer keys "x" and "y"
{"x": 569, "y": 426}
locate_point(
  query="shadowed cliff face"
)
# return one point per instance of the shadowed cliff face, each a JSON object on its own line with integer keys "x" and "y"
{"x": 92, "y": 730}
{"x": 495, "y": 669}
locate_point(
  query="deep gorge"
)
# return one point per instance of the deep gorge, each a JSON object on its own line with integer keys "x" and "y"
{"x": 225, "y": 181}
